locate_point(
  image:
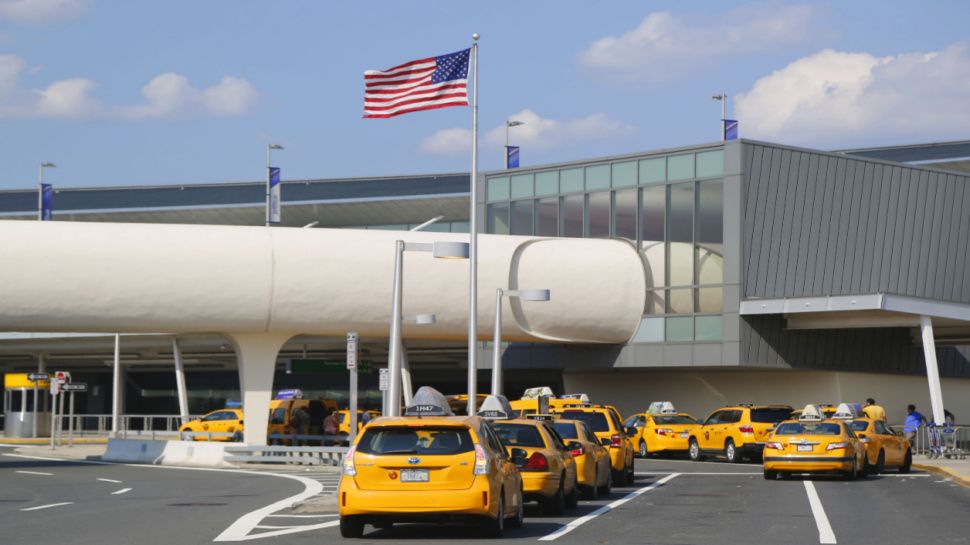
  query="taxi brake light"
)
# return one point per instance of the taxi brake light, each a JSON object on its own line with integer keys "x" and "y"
{"x": 481, "y": 461}
{"x": 746, "y": 429}
{"x": 664, "y": 431}
{"x": 536, "y": 462}
{"x": 834, "y": 446}
{"x": 616, "y": 440}
{"x": 577, "y": 452}
{"x": 349, "y": 467}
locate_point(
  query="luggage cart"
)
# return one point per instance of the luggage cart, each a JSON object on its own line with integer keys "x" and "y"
{"x": 953, "y": 443}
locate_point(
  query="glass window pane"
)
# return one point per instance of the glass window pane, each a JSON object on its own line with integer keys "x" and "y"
{"x": 655, "y": 257}
{"x": 681, "y": 264}
{"x": 680, "y": 329}
{"x": 710, "y": 233}
{"x": 653, "y": 212}
{"x": 598, "y": 177}
{"x": 680, "y": 222}
{"x": 521, "y": 218}
{"x": 624, "y": 174}
{"x": 498, "y": 189}
{"x": 571, "y": 180}
{"x": 497, "y": 219}
{"x": 710, "y": 164}
{"x": 651, "y": 331}
{"x": 653, "y": 170}
{"x": 547, "y": 183}
{"x": 521, "y": 186}
{"x": 655, "y": 302}
{"x": 708, "y": 328}
{"x": 394, "y": 227}
{"x": 680, "y": 301}
{"x": 547, "y": 222}
{"x": 439, "y": 227}
{"x": 459, "y": 227}
{"x": 625, "y": 214}
{"x": 680, "y": 167}
{"x": 710, "y": 300}
{"x": 599, "y": 215}
{"x": 572, "y": 215}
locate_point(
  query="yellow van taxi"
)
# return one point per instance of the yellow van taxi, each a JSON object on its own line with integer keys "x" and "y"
{"x": 223, "y": 425}
{"x": 606, "y": 423}
{"x": 542, "y": 457}
{"x": 281, "y": 417}
{"x": 885, "y": 447}
{"x": 429, "y": 466}
{"x": 343, "y": 420}
{"x": 807, "y": 446}
{"x": 592, "y": 458}
{"x": 663, "y": 433}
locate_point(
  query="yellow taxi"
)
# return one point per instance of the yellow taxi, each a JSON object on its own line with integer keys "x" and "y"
{"x": 606, "y": 423}
{"x": 223, "y": 425}
{"x": 885, "y": 447}
{"x": 592, "y": 458}
{"x": 284, "y": 420}
{"x": 542, "y": 457}
{"x": 429, "y": 465}
{"x": 343, "y": 420}
{"x": 813, "y": 444}
{"x": 735, "y": 432}
{"x": 459, "y": 403}
{"x": 540, "y": 400}
{"x": 661, "y": 430}
{"x": 827, "y": 409}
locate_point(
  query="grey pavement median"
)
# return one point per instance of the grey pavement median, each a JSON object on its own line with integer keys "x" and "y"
{"x": 958, "y": 470}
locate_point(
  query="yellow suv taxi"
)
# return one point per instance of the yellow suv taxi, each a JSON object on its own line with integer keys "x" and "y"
{"x": 813, "y": 444}
{"x": 221, "y": 425}
{"x": 429, "y": 465}
{"x": 735, "y": 432}
{"x": 607, "y": 425}
{"x": 661, "y": 430}
{"x": 592, "y": 458}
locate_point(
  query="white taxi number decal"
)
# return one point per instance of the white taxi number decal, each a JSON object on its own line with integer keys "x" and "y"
{"x": 414, "y": 475}
{"x": 804, "y": 448}
{"x": 684, "y": 435}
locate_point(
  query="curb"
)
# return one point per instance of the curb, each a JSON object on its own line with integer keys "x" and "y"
{"x": 946, "y": 472}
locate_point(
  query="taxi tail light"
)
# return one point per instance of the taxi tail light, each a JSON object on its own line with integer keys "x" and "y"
{"x": 616, "y": 440}
{"x": 664, "y": 431}
{"x": 774, "y": 446}
{"x": 746, "y": 429}
{"x": 835, "y": 446}
{"x": 536, "y": 462}
{"x": 577, "y": 452}
{"x": 348, "y": 465}
{"x": 481, "y": 461}
{"x": 864, "y": 440}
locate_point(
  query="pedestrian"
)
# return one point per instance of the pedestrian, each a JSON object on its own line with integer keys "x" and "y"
{"x": 365, "y": 418}
{"x": 948, "y": 418}
{"x": 914, "y": 420}
{"x": 330, "y": 427}
{"x": 874, "y": 411}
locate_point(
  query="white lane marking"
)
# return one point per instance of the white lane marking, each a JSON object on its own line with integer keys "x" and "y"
{"x": 825, "y": 533}
{"x": 34, "y": 473}
{"x": 603, "y": 510}
{"x": 305, "y": 516}
{"x": 649, "y": 473}
{"x": 122, "y": 491}
{"x": 109, "y": 481}
{"x": 47, "y": 506}
{"x": 903, "y": 475}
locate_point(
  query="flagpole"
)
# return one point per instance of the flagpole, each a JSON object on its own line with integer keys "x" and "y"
{"x": 473, "y": 246}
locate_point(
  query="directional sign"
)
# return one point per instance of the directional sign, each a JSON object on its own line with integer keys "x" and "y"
{"x": 351, "y": 350}
{"x": 385, "y": 379}
{"x": 75, "y": 387}
{"x": 34, "y": 377}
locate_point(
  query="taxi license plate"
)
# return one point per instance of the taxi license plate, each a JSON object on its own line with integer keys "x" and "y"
{"x": 684, "y": 435}
{"x": 804, "y": 448}
{"x": 414, "y": 475}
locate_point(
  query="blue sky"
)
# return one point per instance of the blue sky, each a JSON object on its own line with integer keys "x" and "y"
{"x": 130, "y": 92}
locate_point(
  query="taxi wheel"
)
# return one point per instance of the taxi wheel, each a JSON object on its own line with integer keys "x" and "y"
{"x": 907, "y": 462}
{"x": 852, "y": 474}
{"x": 730, "y": 452}
{"x": 519, "y": 518}
{"x": 644, "y": 452}
{"x": 495, "y": 527}
{"x": 555, "y": 505}
{"x": 572, "y": 499}
{"x": 351, "y": 527}
{"x": 237, "y": 437}
{"x": 591, "y": 492}
{"x": 695, "y": 451}
{"x": 630, "y": 473}
{"x": 770, "y": 475}
{"x": 880, "y": 463}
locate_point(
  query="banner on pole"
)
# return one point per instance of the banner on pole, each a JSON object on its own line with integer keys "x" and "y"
{"x": 274, "y": 195}
{"x": 513, "y": 156}
{"x": 730, "y": 129}
{"x": 46, "y": 202}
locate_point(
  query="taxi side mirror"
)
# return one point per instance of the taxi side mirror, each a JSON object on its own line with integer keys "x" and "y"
{"x": 519, "y": 456}
{"x": 240, "y": 422}
{"x": 606, "y": 442}
{"x": 631, "y": 431}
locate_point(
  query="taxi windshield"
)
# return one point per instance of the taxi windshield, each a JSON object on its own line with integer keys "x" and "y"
{"x": 769, "y": 416}
{"x": 595, "y": 420}
{"x": 519, "y": 435}
{"x": 858, "y": 425}
{"x": 796, "y": 428}
{"x": 428, "y": 441}
{"x": 566, "y": 430}
{"x": 673, "y": 419}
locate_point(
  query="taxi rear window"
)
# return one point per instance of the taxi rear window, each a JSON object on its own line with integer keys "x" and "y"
{"x": 770, "y": 416}
{"x": 427, "y": 441}
{"x": 566, "y": 430}
{"x": 795, "y": 428}
{"x": 858, "y": 425}
{"x": 672, "y": 420}
{"x": 594, "y": 419}
{"x": 519, "y": 435}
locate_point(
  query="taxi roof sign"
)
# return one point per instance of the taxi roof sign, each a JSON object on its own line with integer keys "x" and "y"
{"x": 661, "y": 407}
{"x": 496, "y": 407}
{"x": 428, "y": 402}
{"x": 582, "y": 398}
{"x": 537, "y": 392}
{"x": 811, "y": 413}
{"x": 847, "y": 411}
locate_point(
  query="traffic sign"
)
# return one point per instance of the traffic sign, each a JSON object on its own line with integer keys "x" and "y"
{"x": 351, "y": 350}
{"x": 62, "y": 377}
{"x": 76, "y": 387}
{"x": 385, "y": 379}
{"x": 35, "y": 377}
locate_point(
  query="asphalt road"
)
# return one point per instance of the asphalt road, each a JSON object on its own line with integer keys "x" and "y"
{"x": 672, "y": 502}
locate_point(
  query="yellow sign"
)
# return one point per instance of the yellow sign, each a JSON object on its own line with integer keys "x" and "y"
{"x": 22, "y": 380}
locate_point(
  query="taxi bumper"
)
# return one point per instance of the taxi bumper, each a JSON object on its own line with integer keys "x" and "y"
{"x": 808, "y": 463}
{"x": 476, "y": 500}
{"x": 666, "y": 443}
{"x": 536, "y": 486}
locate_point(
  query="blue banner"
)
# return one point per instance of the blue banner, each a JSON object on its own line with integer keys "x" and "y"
{"x": 274, "y": 195}
{"x": 512, "y": 157}
{"x": 730, "y": 129}
{"x": 46, "y": 202}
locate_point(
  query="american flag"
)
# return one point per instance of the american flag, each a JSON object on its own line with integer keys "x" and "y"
{"x": 424, "y": 84}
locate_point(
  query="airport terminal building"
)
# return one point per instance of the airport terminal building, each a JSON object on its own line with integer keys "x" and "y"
{"x": 773, "y": 274}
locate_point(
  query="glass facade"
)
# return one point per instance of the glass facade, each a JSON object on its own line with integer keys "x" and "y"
{"x": 670, "y": 206}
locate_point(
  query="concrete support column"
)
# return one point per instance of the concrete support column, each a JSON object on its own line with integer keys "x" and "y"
{"x": 256, "y": 354}
{"x": 42, "y": 363}
{"x": 180, "y": 381}
{"x": 932, "y": 369}
{"x": 116, "y": 392}
{"x": 407, "y": 388}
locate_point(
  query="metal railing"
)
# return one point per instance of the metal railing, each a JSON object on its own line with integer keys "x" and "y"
{"x": 943, "y": 441}
{"x": 99, "y": 425}
{"x": 283, "y": 454}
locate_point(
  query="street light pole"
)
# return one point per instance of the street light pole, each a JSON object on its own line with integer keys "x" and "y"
{"x": 525, "y": 295}
{"x": 509, "y": 124}
{"x": 40, "y": 189}
{"x": 722, "y": 98}
{"x": 269, "y": 165}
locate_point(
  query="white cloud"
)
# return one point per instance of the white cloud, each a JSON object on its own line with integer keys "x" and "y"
{"x": 835, "y": 98}
{"x": 167, "y": 95}
{"x": 41, "y": 11}
{"x": 665, "y": 45}
{"x": 537, "y": 133}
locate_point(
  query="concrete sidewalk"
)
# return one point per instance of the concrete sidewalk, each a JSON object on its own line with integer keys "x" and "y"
{"x": 77, "y": 452}
{"x": 958, "y": 470}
